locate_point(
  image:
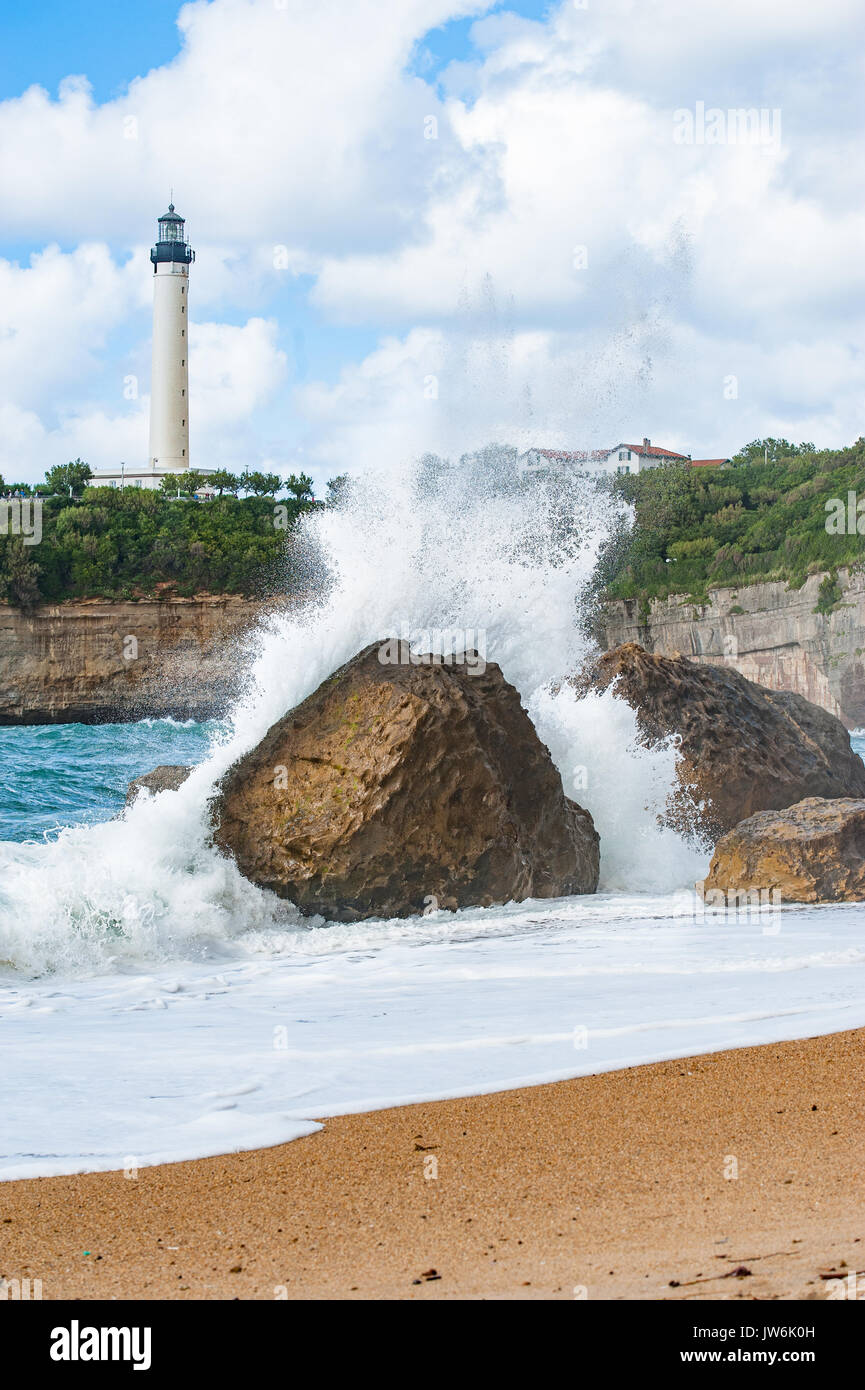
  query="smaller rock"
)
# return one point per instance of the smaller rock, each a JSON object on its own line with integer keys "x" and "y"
{"x": 166, "y": 778}
{"x": 809, "y": 853}
{"x": 742, "y": 748}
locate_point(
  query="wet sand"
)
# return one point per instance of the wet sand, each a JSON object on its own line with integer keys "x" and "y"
{"x": 657, "y": 1182}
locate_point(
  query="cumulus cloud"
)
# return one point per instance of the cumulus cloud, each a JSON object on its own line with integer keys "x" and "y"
{"x": 552, "y": 266}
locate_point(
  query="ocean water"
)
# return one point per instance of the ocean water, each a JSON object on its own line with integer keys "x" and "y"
{"x": 154, "y": 1005}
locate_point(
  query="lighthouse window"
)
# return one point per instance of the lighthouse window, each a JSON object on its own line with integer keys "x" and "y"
{"x": 183, "y": 393}
{"x": 183, "y": 308}
{"x": 183, "y": 332}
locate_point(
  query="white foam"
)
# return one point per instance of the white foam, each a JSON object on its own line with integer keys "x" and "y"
{"x": 468, "y": 555}
{"x": 124, "y": 1040}
{"x": 184, "y": 1060}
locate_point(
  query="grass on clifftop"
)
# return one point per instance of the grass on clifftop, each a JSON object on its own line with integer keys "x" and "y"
{"x": 749, "y": 523}
{"x": 116, "y": 544}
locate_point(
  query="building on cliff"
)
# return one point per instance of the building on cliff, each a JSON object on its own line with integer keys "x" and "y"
{"x": 624, "y": 458}
{"x": 636, "y": 458}
{"x": 172, "y": 257}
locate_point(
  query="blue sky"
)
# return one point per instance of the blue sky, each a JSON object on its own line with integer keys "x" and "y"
{"x": 302, "y": 130}
{"x": 111, "y": 44}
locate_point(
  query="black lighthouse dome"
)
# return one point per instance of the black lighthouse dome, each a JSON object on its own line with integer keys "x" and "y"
{"x": 171, "y": 243}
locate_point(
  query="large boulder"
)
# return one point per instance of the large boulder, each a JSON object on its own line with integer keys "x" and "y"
{"x": 809, "y": 853}
{"x": 165, "y": 778}
{"x": 742, "y": 748}
{"x": 399, "y": 787}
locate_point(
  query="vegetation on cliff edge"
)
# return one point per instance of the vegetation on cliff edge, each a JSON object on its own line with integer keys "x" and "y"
{"x": 123, "y": 543}
{"x": 748, "y": 523}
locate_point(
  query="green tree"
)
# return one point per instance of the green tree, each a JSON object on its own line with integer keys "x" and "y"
{"x": 69, "y": 479}
{"x": 300, "y": 487}
{"x": 19, "y": 575}
{"x": 770, "y": 451}
{"x": 223, "y": 481}
{"x": 184, "y": 484}
{"x": 260, "y": 484}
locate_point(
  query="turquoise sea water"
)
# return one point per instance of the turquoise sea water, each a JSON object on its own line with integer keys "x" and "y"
{"x": 53, "y": 775}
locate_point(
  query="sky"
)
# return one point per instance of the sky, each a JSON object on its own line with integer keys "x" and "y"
{"x": 423, "y": 225}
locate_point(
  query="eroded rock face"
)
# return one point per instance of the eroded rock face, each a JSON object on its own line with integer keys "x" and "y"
{"x": 811, "y": 852}
{"x": 71, "y": 662}
{"x": 397, "y": 787}
{"x": 743, "y": 748}
{"x": 165, "y": 778}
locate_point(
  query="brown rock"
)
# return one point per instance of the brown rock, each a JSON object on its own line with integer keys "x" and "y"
{"x": 743, "y": 748}
{"x": 165, "y": 778}
{"x": 812, "y": 852}
{"x": 399, "y": 786}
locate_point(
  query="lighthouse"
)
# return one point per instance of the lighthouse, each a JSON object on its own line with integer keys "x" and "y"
{"x": 169, "y": 384}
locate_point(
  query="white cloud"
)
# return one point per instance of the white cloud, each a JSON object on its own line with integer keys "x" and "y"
{"x": 29, "y": 446}
{"x": 302, "y": 131}
{"x": 289, "y": 124}
{"x": 56, "y": 315}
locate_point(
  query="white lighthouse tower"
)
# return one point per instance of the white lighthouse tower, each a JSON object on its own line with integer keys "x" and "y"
{"x": 169, "y": 386}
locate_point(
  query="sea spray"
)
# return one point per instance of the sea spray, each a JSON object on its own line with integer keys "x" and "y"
{"x": 476, "y": 546}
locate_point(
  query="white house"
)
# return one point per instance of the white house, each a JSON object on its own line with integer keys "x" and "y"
{"x": 635, "y": 458}
{"x": 625, "y": 458}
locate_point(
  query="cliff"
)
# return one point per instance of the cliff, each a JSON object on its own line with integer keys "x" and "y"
{"x": 771, "y": 634}
{"x": 96, "y": 661}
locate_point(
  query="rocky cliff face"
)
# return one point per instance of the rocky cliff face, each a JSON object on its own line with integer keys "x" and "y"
{"x": 769, "y": 633}
{"x": 75, "y": 661}
{"x": 94, "y": 661}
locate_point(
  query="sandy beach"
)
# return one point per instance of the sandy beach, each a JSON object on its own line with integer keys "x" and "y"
{"x": 657, "y": 1182}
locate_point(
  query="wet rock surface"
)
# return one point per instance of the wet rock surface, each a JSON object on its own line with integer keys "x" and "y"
{"x": 812, "y": 852}
{"x": 743, "y": 748}
{"x": 398, "y": 788}
{"x": 165, "y": 778}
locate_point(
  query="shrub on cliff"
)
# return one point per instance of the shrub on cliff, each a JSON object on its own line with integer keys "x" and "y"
{"x": 755, "y": 521}
{"x": 114, "y": 543}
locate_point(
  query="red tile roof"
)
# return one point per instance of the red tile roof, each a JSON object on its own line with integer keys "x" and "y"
{"x": 708, "y": 463}
{"x": 653, "y": 451}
